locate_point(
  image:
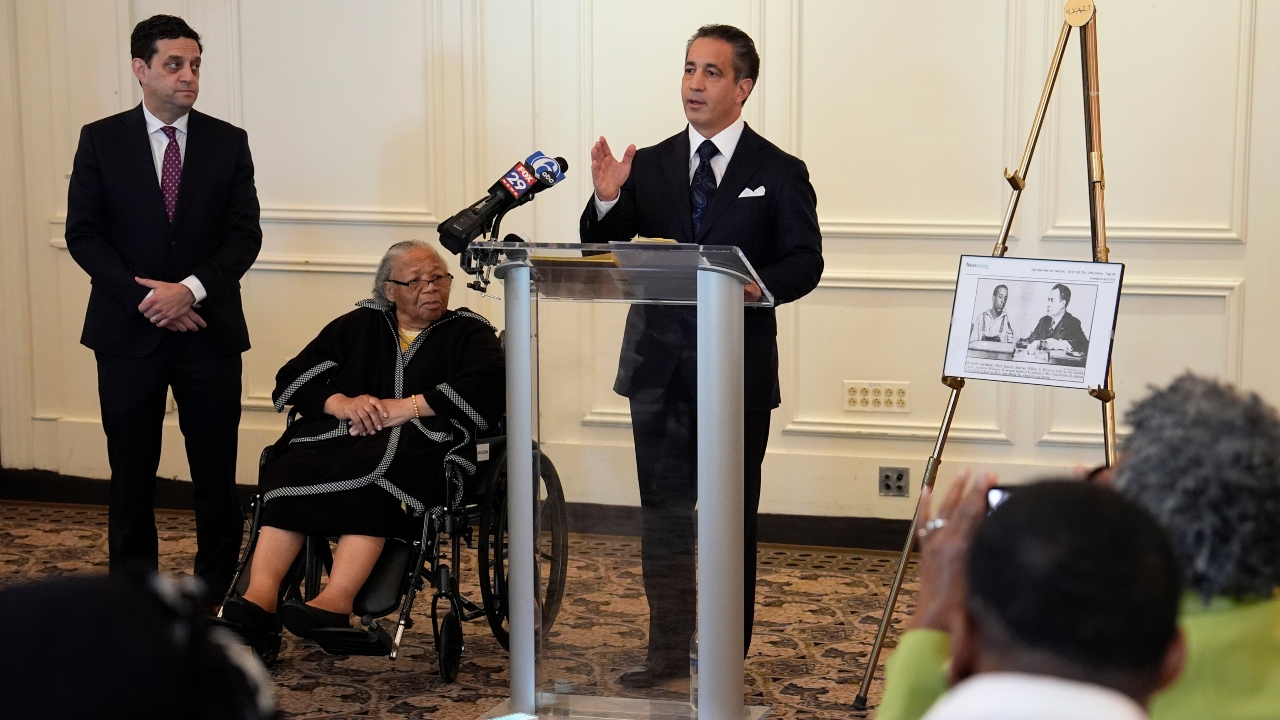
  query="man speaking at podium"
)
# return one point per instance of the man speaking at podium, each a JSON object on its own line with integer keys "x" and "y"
{"x": 716, "y": 182}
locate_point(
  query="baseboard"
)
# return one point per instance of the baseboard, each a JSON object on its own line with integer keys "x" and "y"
{"x": 51, "y": 487}
{"x": 590, "y": 518}
{"x": 842, "y": 532}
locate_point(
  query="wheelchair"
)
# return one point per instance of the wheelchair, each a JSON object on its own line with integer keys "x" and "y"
{"x": 406, "y": 567}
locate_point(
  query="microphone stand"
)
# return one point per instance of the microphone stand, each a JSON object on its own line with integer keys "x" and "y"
{"x": 1081, "y": 14}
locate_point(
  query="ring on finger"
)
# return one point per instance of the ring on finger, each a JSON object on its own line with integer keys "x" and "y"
{"x": 934, "y": 524}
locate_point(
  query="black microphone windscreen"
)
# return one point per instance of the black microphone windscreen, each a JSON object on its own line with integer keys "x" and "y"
{"x": 564, "y": 164}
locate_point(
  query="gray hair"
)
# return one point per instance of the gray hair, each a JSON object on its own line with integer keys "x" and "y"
{"x": 393, "y": 254}
{"x": 1204, "y": 459}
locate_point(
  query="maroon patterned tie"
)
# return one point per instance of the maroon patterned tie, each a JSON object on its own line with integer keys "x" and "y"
{"x": 171, "y": 171}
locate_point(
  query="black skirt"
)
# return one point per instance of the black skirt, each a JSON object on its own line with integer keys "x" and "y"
{"x": 368, "y": 510}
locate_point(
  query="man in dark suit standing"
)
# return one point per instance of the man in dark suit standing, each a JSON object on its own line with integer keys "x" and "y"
{"x": 162, "y": 214}
{"x": 715, "y": 183}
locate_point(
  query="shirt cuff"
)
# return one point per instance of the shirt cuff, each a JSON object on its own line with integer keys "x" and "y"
{"x": 197, "y": 288}
{"x": 603, "y": 207}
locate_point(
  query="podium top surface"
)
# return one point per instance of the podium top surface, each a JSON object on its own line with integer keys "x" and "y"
{"x": 664, "y": 273}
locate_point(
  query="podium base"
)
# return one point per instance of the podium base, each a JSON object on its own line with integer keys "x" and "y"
{"x": 609, "y": 708}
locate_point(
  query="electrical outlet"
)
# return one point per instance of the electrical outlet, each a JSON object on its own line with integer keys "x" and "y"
{"x": 868, "y": 396}
{"x": 895, "y": 481}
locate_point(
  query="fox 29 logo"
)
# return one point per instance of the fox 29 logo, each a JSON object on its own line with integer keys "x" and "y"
{"x": 519, "y": 180}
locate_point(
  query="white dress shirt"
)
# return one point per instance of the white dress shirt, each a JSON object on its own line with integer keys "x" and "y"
{"x": 159, "y": 142}
{"x": 1022, "y": 696}
{"x": 726, "y": 142}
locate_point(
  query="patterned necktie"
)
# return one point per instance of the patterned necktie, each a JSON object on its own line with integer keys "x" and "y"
{"x": 171, "y": 171}
{"x": 703, "y": 187}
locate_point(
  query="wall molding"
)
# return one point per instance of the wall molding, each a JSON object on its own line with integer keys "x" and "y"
{"x": 823, "y": 427}
{"x": 600, "y": 417}
{"x": 297, "y": 262}
{"x": 17, "y": 379}
{"x": 854, "y": 280}
{"x": 368, "y": 217}
{"x": 350, "y": 216}
{"x": 957, "y": 230}
{"x": 288, "y": 262}
{"x": 1230, "y": 291}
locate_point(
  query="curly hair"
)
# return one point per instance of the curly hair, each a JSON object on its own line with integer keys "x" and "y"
{"x": 390, "y": 258}
{"x": 1204, "y": 459}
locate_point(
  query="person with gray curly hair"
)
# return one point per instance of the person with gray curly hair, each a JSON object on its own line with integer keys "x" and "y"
{"x": 1204, "y": 459}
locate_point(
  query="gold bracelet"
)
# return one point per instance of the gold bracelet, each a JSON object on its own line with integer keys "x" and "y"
{"x": 414, "y": 398}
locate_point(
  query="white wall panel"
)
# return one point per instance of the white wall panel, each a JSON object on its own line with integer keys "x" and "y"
{"x": 335, "y": 101}
{"x": 881, "y": 329}
{"x": 637, "y": 60}
{"x": 902, "y": 114}
{"x": 1175, "y": 102}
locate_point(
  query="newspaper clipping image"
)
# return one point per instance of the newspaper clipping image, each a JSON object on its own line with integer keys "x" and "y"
{"x": 1043, "y": 322}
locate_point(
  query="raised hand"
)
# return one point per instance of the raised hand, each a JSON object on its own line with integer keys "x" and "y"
{"x": 944, "y": 551}
{"x": 608, "y": 174}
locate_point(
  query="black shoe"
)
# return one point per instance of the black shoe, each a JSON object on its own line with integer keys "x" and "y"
{"x": 257, "y": 628}
{"x": 650, "y": 674}
{"x": 303, "y": 620}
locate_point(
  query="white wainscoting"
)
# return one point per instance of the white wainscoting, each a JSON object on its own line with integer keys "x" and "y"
{"x": 371, "y": 122}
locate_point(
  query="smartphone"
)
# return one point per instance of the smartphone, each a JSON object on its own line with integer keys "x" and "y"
{"x": 997, "y": 495}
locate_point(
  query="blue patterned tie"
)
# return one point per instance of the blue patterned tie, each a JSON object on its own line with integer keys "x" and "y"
{"x": 703, "y": 187}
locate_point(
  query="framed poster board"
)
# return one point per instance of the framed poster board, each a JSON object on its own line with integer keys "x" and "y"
{"x": 1040, "y": 322}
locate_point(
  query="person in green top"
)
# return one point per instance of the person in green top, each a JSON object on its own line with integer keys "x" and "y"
{"x": 1204, "y": 459}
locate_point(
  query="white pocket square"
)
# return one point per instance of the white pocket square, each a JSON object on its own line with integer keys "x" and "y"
{"x": 748, "y": 192}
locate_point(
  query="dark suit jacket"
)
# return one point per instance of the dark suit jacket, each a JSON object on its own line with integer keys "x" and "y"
{"x": 777, "y": 232}
{"x": 117, "y": 228}
{"x": 1068, "y": 329}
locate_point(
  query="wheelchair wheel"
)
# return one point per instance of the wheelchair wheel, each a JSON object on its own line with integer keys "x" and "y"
{"x": 449, "y": 651}
{"x": 553, "y": 548}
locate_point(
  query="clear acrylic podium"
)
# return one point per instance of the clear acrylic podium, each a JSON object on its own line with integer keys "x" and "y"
{"x": 709, "y": 281}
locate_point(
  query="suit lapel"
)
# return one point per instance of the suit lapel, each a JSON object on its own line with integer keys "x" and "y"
{"x": 142, "y": 162}
{"x": 194, "y": 161}
{"x": 675, "y": 165}
{"x": 746, "y": 158}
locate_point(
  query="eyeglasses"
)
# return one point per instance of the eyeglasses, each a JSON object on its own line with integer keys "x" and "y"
{"x": 416, "y": 284}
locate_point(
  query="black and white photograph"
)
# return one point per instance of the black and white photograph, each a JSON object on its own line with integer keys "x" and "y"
{"x": 1032, "y": 321}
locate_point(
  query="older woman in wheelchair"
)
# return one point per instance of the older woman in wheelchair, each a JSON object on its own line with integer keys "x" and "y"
{"x": 391, "y": 397}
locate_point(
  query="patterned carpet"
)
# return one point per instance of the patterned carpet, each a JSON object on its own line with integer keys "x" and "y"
{"x": 816, "y": 618}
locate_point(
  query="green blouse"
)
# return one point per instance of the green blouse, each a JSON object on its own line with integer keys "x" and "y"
{"x": 1232, "y": 670}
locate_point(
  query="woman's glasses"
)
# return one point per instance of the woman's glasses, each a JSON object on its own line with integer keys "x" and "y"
{"x": 417, "y": 284}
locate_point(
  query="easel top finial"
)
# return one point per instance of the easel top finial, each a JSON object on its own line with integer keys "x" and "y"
{"x": 1078, "y": 12}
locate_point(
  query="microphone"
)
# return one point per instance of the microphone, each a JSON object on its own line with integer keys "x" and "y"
{"x": 516, "y": 187}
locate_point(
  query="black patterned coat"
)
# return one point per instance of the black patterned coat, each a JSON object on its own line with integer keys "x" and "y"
{"x": 457, "y": 364}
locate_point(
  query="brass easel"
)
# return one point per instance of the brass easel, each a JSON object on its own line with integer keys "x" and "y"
{"x": 1081, "y": 14}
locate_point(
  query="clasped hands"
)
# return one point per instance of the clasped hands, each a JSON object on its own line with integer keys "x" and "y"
{"x": 608, "y": 175}
{"x": 368, "y": 414}
{"x": 170, "y": 306}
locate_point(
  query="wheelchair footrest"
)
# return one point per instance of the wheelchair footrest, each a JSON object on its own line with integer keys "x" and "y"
{"x": 354, "y": 641}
